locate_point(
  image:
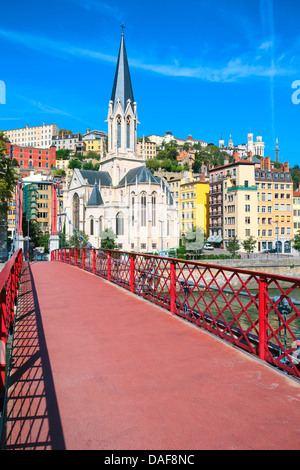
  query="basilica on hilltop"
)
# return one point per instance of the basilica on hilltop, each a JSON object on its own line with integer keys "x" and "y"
{"x": 123, "y": 195}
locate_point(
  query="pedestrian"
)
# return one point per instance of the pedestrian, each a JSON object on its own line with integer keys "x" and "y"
{"x": 31, "y": 251}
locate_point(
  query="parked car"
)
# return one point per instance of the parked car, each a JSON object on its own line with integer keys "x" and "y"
{"x": 271, "y": 250}
{"x": 208, "y": 246}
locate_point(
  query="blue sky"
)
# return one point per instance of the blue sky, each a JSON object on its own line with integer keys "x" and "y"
{"x": 197, "y": 67}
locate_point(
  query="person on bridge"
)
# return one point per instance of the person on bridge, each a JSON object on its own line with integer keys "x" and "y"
{"x": 31, "y": 251}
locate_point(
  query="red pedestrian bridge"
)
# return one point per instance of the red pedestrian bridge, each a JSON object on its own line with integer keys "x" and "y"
{"x": 124, "y": 351}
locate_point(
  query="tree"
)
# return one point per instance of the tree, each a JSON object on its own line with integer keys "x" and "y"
{"x": 7, "y": 177}
{"x": 233, "y": 245}
{"x": 59, "y": 172}
{"x": 79, "y": 239}
{"x": 108, "y": 239}
{"x": 63, "y": 154}
{"x": 249, "y": 244}
{"x": 296, "y": 241}
{"x": 74, "y": 163}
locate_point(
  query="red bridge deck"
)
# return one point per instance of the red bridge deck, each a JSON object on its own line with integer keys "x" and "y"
{"x": 96, "y": 367}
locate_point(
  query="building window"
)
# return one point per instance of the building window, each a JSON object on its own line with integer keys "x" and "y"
{"x": 119, "y": 131}
{"x": 128, "y": 132}
{"x": 92, "y": 226}
{"x": 153, "y": 200}
{"x": 120, "y": 224}
{"x": 132, "y": 208}
{"x": 143, "y": 209}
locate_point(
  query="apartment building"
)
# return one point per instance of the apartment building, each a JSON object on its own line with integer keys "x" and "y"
{"x": 42, "y": 200}
{"x": 296, "y": 210}
{"x": 66, "y": 141}
{"x": 146, "y": 149}
{"x": 274, "y": 207}
{"x": 239, "y": 201}
{"x": 36, "y": 136}
{"x": 194, "y": 206}
{"x": 29, "y": 157}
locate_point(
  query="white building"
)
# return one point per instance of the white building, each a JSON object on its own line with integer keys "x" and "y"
{"x": 123, "y": 195}
{"x": 37, "y": 136}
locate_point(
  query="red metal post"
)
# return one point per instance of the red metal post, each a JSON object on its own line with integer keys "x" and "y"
{"x": 70, "y": 255}
{"x": 132, "y": 277}
{"x": 172, "y": 286}
{"x": 108, "y": 266}
{"x": 75, "y": 256}
{"x": 94, "y": 261}
{"x": 262, "y": 309}
{"x": 83, "y": 258}
{"x": 19, "y": 196}
{"x": 65, "y": 255}
{"x": 3, "y": 339}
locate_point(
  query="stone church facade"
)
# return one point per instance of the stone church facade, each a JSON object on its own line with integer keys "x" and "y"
{"x": 123, "y": 195}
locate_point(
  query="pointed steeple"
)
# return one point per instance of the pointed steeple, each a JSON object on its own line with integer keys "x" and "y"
{"x": 96, "y": 198}
{"x": 122, "y": 88}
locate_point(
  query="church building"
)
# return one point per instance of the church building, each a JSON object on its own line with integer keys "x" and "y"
{"x": 123, "y": 195}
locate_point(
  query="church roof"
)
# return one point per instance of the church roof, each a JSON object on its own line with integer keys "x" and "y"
{"x": 96, "y": 198}
{"x": 91, "y": 176}
{"x": 122, "y": 88}
{"x": 140, "y": 174}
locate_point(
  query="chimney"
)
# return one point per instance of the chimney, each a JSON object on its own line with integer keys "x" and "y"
{"x": 249, "y": 156}
{"x": 267, "y": 163}
{"x": 226, "y": 160}
{"x": 236, "y": 156}
{"x": 202, "y": 178}
{"x": 285, "y": 167}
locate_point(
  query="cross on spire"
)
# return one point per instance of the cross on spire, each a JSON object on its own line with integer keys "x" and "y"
{"x": 123, "y": 27}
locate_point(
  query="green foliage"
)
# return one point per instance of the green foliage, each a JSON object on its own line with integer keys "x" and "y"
{"x": 295, "y": 175}
{"x": 59, "y": 172}
{"x": 79, "y": 241}
{"x": 74, "y": 163}
{"x": 108, "y": 239}
{"x": 62, "y": 154}
{"x": 7, "y": 177}
{"x": 296, "y": 241}
{"x": 64, "y": 131}
{"x": 43, "y": 241}
{"x": 233, "y": 245}
{"x": 249, "y": 243}
{"x": 93, "y": 154}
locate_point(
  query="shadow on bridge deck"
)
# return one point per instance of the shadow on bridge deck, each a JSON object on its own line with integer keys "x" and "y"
{"x": 96, "y": 367}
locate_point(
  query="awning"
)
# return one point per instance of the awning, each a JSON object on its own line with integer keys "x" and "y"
{"x": 215, "y": 239}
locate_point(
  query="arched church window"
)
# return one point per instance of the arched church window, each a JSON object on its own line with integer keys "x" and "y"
{"x": 119, "y": 123}
{"x": 143, "y": 209}
{"x": 100, "y": 225}
{"x": 153, "y": 201}
{"x": 120, "y": 224}
{"x": 91, "y": 226}
{"x": 76, "y": 211}
{"x": 128, "y": 131}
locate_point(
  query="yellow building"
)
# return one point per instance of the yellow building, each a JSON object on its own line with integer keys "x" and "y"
{"x": 146, "y": 149}
{"x": 94, "y": 145}
{"x": 194, "y": 206}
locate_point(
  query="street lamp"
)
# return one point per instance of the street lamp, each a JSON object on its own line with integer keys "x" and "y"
{"x": 161, "y": 235}
{"x": 277, "y": 238}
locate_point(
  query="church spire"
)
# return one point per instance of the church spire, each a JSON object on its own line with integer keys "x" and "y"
{"x": 122, "y": 88}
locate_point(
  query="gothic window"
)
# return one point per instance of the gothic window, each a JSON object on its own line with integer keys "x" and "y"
{"x": 91, "y": 226}
{"x": 119, "y": 123}
{"x": 153, "y": 201}
{"x": 100, "y": 225}
{"x": 76, "y": 211}
{"x": 120, "y": 224}
{"x": 128, "y": 132}
{"x": 111, "y": 136}
{"x": 143, "y": 209}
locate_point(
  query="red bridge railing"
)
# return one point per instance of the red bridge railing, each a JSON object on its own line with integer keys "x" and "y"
{"x": 255, "y": 311}
{"x": 9, "y": 282}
